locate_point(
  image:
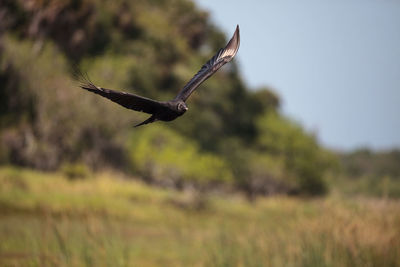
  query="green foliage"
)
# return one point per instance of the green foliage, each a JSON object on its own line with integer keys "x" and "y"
{"x": 163, "y": 156}
{"x": 268, "y": 175}
{"x": 364, "y": 162}
{"x": 265, "y": 99}
{"x": 368, "y": 173}
{"x": 57, "y": 127}
{"x": 300, "y": 152}
{"x": 74, "y": 171}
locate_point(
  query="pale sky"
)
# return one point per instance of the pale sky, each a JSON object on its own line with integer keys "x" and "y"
{"x": 335, "y": 64}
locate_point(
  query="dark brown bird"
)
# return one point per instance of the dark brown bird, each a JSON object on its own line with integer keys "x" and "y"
{"x": 170, "y": 110}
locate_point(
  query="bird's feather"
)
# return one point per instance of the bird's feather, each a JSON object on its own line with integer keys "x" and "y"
{"x": 223, "y": 56}
{"x": 127, "y": 100}
{"x": 149, "y": 120}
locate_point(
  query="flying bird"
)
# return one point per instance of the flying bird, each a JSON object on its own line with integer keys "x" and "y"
{"x": 169, "y": 110}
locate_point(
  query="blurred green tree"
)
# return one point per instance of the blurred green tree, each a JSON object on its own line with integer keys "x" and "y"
{"x": 152, "y": 48}
{"x": 162, "y": 156}
{"x": 300, "y": 152}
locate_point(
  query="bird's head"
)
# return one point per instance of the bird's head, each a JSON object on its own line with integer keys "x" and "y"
{"x": 181, "y": 107}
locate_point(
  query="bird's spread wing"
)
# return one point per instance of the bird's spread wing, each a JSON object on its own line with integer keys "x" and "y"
{"x": 223, "y": 56}
{"x": 127, "y": 100}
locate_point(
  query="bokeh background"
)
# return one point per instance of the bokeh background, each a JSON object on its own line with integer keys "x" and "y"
{"x": 289, "y": 155}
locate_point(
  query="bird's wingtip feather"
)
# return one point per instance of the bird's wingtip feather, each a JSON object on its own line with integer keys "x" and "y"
{"x": 83, "y": 79}
{"x": 233, "y": 44}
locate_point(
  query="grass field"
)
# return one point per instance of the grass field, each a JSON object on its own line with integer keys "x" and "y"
{"x": 106, "y": 220}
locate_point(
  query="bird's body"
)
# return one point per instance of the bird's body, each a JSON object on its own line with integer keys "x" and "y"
{"x": 173, "y": 109}
{"x": 169, "y": 110}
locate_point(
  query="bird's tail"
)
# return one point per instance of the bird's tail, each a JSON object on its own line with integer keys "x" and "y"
{"x": 149, "y": 120}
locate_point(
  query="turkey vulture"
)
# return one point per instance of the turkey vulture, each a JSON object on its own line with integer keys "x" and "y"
{"x": 169, "y": 110}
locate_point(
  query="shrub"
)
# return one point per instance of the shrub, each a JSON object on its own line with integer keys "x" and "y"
{"x": 301, "y": 154}
{"x": 162, "y": 156}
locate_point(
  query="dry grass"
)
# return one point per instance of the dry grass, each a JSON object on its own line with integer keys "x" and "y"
{"x": 47, "y": 220}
